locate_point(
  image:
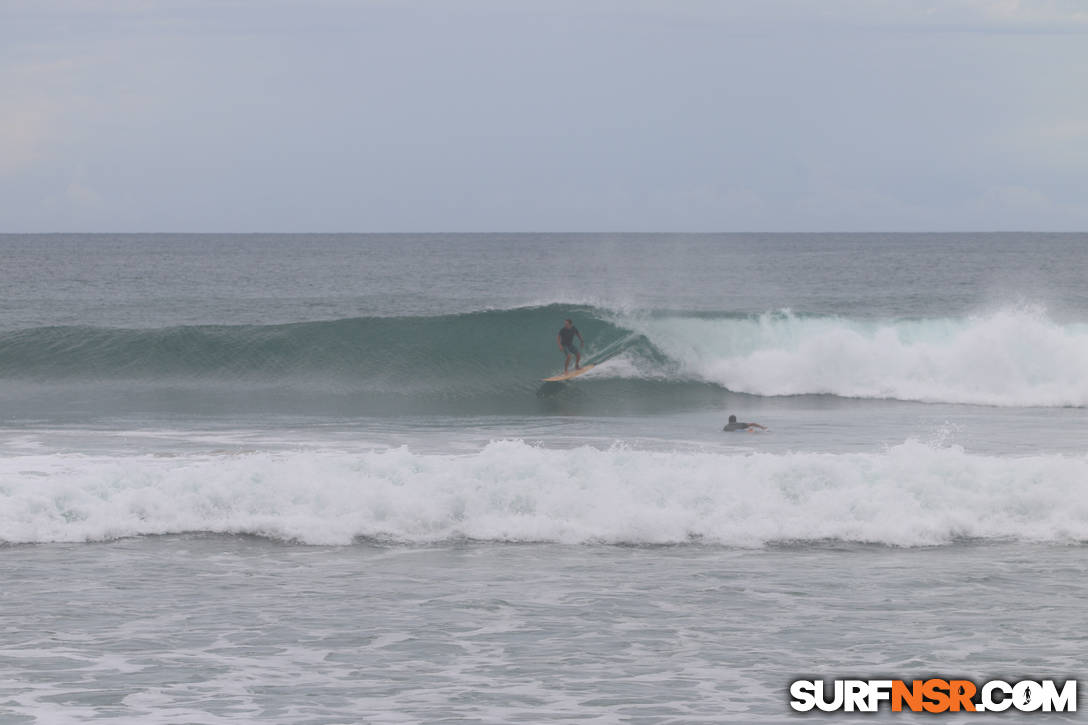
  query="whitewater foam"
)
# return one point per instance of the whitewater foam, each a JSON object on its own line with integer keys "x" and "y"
{"x": 912, "y": 494}
{"x": 1012, "y": 357}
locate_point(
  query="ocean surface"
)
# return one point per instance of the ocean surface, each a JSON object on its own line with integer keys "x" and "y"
{"x": 303, "y": 479}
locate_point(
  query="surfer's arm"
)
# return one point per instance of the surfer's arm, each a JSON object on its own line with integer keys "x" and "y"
{"x": 559, "y": 341}
{"x": 757, "y": 425}
{"x": 580, "y": 337}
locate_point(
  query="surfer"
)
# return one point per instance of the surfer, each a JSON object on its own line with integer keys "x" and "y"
{"x": 566, "y": 344}
{"x": 733, "y": 425}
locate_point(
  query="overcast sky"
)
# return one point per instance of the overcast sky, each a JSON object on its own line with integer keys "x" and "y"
{"x": 579, "y": 115}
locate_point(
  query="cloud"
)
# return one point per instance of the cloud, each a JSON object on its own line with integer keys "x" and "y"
{"x": 562, "y": 115}
{"x": 25, "y": 130}
{"x": 32, "y": 112}
{"x": 1030, "y": 13}
{"x": 1067, "y": 130}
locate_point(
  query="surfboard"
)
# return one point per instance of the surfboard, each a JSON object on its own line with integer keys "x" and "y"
{"x": 570, "y": 374}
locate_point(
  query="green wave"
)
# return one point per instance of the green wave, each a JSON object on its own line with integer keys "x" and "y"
{"x": 488, "y": 362}
{"x": 504, "y": 347}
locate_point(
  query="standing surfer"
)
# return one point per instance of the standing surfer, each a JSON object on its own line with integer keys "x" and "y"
{"x": 566, "y": 345}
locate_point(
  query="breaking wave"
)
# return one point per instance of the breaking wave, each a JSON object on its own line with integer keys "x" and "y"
{"x": 1011, "y": 357}
{"x": 912, "y": 494}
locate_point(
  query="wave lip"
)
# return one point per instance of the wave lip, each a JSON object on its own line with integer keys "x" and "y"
{"x": 910, "y": 495}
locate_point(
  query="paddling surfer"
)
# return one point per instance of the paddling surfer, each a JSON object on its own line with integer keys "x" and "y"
{"x": 733, "y": 425}
{"x": 566, "y": 345}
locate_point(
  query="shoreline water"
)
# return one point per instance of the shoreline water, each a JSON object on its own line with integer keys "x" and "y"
{"x": 241, "y": 629}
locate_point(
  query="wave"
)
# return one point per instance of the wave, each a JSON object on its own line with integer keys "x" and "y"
{"x": 912, "y": 494}
{"x": 444, "y": 352}
{"x": 1011, "y": 357}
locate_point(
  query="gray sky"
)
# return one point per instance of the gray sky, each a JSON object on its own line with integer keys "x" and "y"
{"x": 565, "y": 115}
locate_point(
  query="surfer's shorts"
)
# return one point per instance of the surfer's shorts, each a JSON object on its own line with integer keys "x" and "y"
{"x": 569, "y": 347}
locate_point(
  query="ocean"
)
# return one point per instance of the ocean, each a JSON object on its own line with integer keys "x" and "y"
{"x": 308, "y": 479}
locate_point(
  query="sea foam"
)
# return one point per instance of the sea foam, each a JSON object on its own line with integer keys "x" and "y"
{"x": 911, "y": 494}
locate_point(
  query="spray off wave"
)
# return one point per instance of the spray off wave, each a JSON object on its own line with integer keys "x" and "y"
{"x": 909, "y": 495}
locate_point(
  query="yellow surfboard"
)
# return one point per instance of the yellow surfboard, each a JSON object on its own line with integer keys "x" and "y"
{"x": 570, "y": 374}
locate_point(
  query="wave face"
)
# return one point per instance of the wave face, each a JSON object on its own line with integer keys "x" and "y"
{"x": 909, "y": 495}
{"x": 444, "y": 353}
{"x": 1013, "y": 357}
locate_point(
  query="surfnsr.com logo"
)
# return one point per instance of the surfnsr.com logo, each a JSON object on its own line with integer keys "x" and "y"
{"x": 933, "y": 695}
